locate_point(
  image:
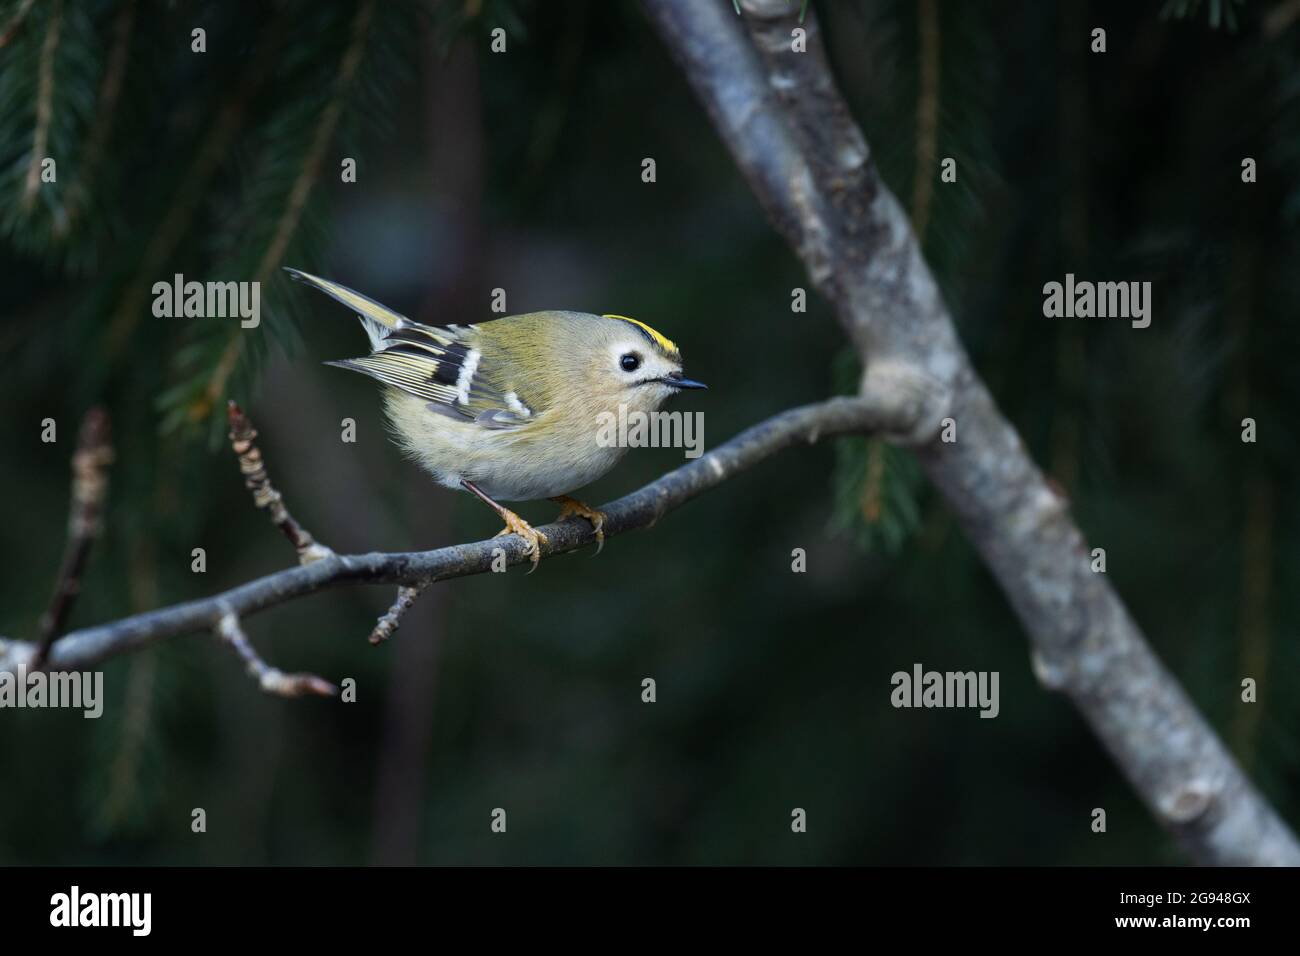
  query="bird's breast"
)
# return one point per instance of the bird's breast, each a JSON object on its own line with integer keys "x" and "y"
{"x": 551, "y": 456}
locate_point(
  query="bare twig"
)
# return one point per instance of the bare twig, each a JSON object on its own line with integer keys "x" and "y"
{"x": 794, "y": 138}
{"x": 265, "y": 495}
{"x": 270, "y": 679}
{"x": 384, "y": 628}
{"x": 89, "y": 489}
{"x": 889, "y": 413}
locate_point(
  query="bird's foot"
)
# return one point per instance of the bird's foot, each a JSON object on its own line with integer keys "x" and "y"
{"x": 570, "y": 507}
{"x": 533, "y": 539}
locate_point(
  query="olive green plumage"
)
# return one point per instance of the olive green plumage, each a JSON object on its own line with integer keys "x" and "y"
{"x": 512, "y": 404}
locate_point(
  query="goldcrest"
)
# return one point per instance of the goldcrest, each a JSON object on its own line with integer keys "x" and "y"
{"x": 507, "y": 409}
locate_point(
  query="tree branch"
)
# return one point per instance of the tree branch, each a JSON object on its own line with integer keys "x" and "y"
{"x": 89, "y": 489}
{"x": 641, "y": 509}
{"x": 256, "y": 480}
{"x": 792, "y": 135}
{"x": 387, "y": 625}
{"x": 270, "y": 679}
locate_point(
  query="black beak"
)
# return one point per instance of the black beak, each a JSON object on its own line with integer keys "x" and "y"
{"x": 677, "y": 380}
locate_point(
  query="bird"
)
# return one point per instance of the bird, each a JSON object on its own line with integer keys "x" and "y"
{"x": 508, "y": 408}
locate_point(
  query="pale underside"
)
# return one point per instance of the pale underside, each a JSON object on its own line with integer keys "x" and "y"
{"x": 508, "y": 464}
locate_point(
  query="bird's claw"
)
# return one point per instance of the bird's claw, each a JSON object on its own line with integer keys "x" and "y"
{"x": 533, "y": 539}
{"x": 572, "y": 507}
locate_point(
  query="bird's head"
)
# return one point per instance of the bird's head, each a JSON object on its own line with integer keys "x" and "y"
{"x": 638, "y": 366}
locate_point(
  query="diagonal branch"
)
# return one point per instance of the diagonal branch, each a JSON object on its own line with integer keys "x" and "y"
{"x": 792, "y": 135}
{"x": 270, "y": 679}
{"x": 891, "y": 413}
{"x": 85, "y": 520}
{"x": 387, "y": 625}
{"x": 265, "y": 495}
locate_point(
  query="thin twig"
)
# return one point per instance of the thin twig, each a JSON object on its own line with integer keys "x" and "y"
{"x": 270, "y": 679}
{"x": 888, "y": 413}
{"x": 89, "y": 489}
{"x": 265, "y": 495}
{"x": 384, "y": 628}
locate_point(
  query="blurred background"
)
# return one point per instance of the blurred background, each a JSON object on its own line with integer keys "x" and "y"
{"x": 521, "y": 170}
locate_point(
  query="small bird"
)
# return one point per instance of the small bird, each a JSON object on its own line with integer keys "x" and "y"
{"x": 509, "y": 408}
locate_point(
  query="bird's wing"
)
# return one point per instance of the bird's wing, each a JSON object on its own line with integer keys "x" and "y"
{"x": 441, "y": 364}
{"x": 444, "y": 366}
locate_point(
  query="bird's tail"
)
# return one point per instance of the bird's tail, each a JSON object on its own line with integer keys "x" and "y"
{"x": 378, "y": 320}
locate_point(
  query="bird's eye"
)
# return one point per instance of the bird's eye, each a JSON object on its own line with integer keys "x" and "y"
{"x": 630, "y": 362}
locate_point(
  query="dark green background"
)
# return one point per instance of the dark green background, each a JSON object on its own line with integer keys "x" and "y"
{"x": 522, "y": 171}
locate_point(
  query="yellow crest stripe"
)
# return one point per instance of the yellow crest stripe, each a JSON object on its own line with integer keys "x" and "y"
{"x": 660, "y": 340}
